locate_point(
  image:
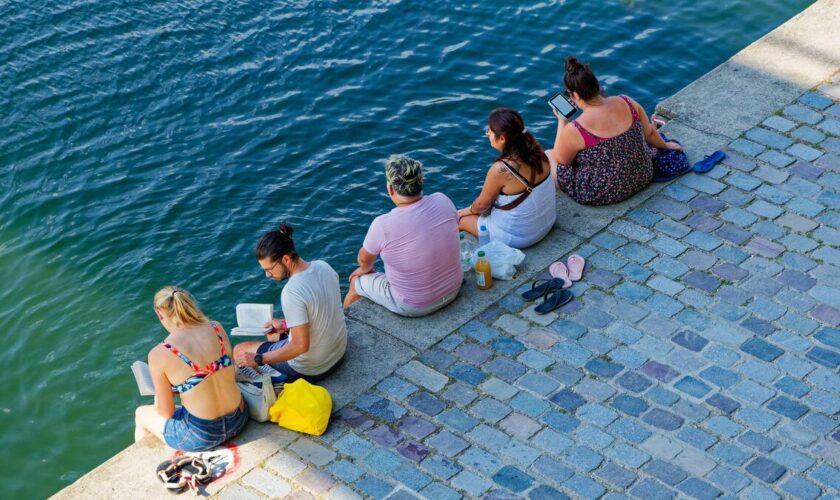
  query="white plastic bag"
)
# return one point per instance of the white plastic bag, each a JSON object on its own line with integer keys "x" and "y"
{"x": 259, "y": 398}
{"x": 503, "y": 259}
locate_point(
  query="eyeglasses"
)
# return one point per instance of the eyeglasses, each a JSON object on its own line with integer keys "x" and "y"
{"x": 488, "y": 131}
{"x": 270, "y": 270}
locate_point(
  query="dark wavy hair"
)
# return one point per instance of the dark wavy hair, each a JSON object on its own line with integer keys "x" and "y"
{"x": 580, "y": 78}
{"x": 519, "y": 143}
{"x": 275, "y": 244}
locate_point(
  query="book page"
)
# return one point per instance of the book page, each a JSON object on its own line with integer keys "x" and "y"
{"x": 251, "y": 318}
{"x": 143, "y": 377}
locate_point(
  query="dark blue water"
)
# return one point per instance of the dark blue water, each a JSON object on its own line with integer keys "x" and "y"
{"x": 151, "y": 143}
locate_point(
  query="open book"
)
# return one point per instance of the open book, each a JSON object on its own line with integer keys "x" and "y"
{"x": 250, "y": 319}
{"x": 143, "y": 377}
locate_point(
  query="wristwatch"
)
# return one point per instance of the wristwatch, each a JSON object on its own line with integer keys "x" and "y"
{"x": 258, "y": 359}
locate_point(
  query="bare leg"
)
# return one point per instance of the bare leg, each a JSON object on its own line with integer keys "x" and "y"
{"x": 352, "y": 295}
{"x": 251, "y": 346}
{"x": 469, "y": 223}
{"x": 148, "y": 421}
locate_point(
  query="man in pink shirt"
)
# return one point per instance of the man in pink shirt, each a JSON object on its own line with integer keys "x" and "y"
{"x": 418, "y": 242}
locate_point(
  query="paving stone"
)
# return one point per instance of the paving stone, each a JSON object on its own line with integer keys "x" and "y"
{"x": 460, "y": 394}
{"x": 584, "y": 486}
{"x": 553, "y": 469}
{"x": 312, "y": 451}
{"x": 659, "y": 371}
{"x": 480, "y": 460}
{"x": 765, "y": 469}
{"x": 384, "y": 460}
{"x": 396, "y": 387}
{"x": 467, "y": 373}
{"x": 616, "y": 475}
{"x": 768, "y": 138}
{"x": 479, "y": 331}
{"x": 473, "y": 353}
{"x": 651, "y": 490}
{"x": 702, "y": 281}
{"x": 513, "y": 479}
{"x": 802, "y": 114}
{"x": 437, "y": 490}
{"x": 471, "y": 483}
{"x": 830, "y": 126}
{"x": 511, "y": 324}
{"x": 747, "y": 147}
{"x": 543, "y": 492}
{"x": 728, "y": 479}
{"x": 695, "y": 462}
{"x": 801, "y": 488}
{"x": 506, "y": 369}
{"x": 266, "y": 483}
{"x": 804, "y": 152}
{"x": 663, "y": 419}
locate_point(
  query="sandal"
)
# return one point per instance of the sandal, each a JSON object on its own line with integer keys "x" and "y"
{"x": 540, "y": 288}
{"x": 553, "y": 301}
{"x": 708, "y": 162}
{"x": 169, "y": 473}
{"x": 559, "y": 270}
{"x": 576, "y": 264}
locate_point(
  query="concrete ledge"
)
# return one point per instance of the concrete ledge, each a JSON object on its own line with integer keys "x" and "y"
{"x": 763, "y": 77}
{"x": 424, "y": 332}
{"x": 371, "y": 356}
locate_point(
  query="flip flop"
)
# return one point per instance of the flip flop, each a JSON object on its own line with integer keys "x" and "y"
{"x": 708, "y": 162}
{"x": 169, "y": 473}
{"x": 559, "y": 270}
{"x": 541, "y": 287}
{"x": 576, "y": 265}
{"x": 554, "y": 300}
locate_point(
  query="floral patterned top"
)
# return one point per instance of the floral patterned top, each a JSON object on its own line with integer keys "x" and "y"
{"x": 609, "y": 170}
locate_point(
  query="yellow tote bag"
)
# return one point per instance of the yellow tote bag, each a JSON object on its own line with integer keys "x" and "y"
{"x": 302, "y": 407}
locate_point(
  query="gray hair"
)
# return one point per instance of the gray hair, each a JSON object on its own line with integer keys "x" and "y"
{"x": 405, "y": 175}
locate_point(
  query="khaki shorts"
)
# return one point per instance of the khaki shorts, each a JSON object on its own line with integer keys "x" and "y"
{"x": 375, "y": 287}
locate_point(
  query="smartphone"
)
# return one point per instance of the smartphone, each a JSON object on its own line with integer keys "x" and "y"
{"x": 563, "y": 105}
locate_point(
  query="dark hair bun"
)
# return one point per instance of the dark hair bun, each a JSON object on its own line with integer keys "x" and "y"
{"x": 285, "y": 230}
{"x": 572, "y": 64}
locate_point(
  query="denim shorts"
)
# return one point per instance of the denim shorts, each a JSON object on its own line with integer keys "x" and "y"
{"x": 286, "y": 372}
{"x": 186, "y": 432}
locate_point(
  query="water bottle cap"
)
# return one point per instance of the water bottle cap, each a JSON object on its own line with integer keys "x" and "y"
{"x": 481, "y": 253}
{"x": 461, "y": 236}
{"x": 483, "y": 227}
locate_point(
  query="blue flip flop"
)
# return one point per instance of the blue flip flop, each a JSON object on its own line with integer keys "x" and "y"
{"x": 554, "y": 300}
{"x": 708, "y": 162}
{"x": 542, "y": 287}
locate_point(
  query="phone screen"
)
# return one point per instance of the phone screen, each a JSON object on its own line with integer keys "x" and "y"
{"x": 562, "y": 105}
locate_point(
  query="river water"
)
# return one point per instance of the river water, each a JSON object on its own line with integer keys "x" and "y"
{"x": 151, "y": 143}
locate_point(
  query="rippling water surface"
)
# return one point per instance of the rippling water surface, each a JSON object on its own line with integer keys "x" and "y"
{"x": 148, "y": 143}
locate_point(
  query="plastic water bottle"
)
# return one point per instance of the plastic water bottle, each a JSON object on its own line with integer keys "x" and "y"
{"x": 483, "y": 274}
{"x": 467, "y": 247}
{"x": 483, "y": 235}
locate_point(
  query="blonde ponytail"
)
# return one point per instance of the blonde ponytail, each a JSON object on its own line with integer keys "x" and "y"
{"x": 179, "y": 306}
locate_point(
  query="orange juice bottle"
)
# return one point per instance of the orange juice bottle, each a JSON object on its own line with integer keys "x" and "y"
{"x": 482, "y": 272}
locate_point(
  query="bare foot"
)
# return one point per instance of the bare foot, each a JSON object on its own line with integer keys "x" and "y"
{"x": 351, "y": 296}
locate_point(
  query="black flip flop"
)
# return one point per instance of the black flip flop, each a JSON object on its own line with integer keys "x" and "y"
{"x": 541, "y": 287}
{"x": 553, "y": 301}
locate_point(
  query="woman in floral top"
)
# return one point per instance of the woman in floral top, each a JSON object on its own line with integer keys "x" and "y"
{"x": 603, "y": 156}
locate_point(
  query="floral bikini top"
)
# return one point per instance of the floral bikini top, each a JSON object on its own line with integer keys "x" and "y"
{"x": 200, "y": 374}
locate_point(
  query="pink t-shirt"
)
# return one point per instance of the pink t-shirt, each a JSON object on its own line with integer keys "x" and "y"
{"x": 420, "y": 248}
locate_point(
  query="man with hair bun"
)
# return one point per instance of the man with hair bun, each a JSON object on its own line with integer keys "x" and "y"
{"x": 419, "y": 245}
{"x": 311, "y": 342}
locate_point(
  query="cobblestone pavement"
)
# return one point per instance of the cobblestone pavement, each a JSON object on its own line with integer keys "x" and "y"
{"x": 700, "y": 358}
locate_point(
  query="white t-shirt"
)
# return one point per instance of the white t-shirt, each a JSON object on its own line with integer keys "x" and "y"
{"x": 313, "y": 296}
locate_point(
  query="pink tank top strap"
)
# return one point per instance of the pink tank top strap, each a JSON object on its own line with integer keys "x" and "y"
{"x": 632, "y": 108}
{"x": 589, "y": 139}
